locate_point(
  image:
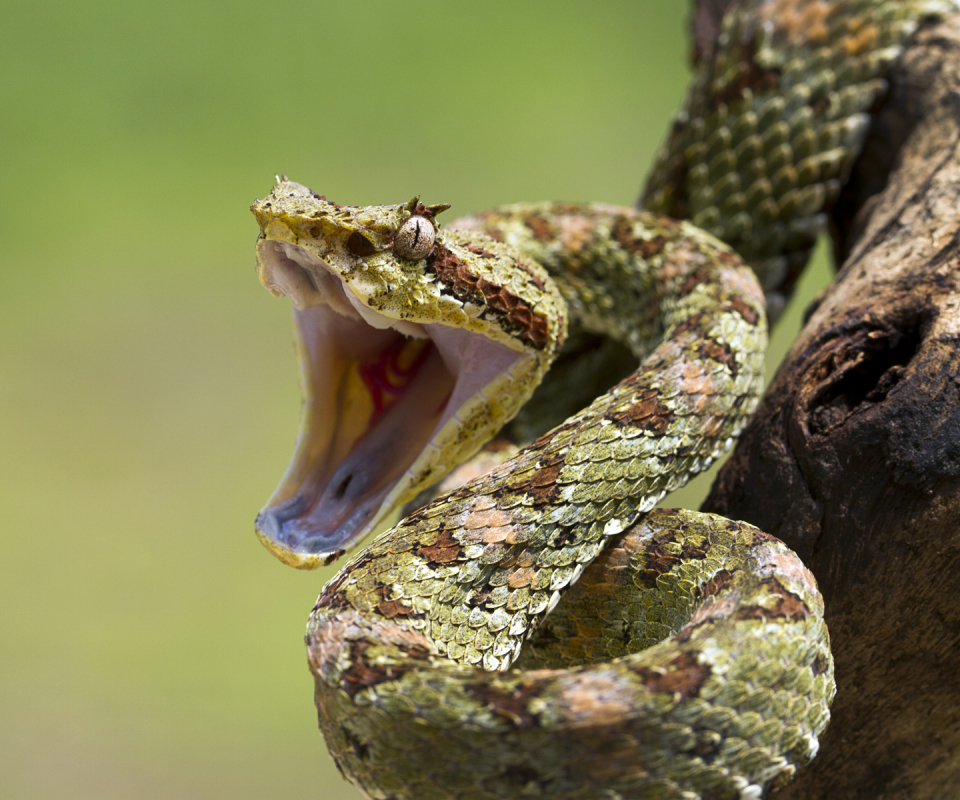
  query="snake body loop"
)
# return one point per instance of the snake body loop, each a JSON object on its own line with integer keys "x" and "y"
{"x": 540, "y": 631}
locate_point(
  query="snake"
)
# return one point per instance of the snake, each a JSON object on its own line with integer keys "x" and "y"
{"x": 542, "y": 629}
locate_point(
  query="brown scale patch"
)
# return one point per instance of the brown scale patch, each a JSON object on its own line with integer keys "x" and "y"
{"x": 363, "y": 675}
{"x": 359, "y": 748}
{"x": 750, "y": 314}
{"x": 750, "y": 76}
{"x": 577, "y": 232}
{"x": 695, "y": 279}
{"x": 390, "y": 609}
{"x": 420, "y": 210}
{"x": 331, "y": 597}
{"x": 803, "y": 23}
{"x": 511, "y": 705}
{"x": 502, "y": 535}
{"x": 521, "y": 577}
{"x": 535, "y": 279}
{"x": 647, "y": 413}
{"x": 692, "y": 323}
{"x": 520, "y": 560}
{"x": 729, "y": 257}
{"x": 479, "y": 598}
{"x": 487, "y": 517}
{"x": 683, "y": 676}
{"x": 716, "y": 608}
{"x": 648, "y": 248}
{"x": 600, "y": 698}
{"x": 862, "y": 37}
{"x": 784, "y": 563}
{"x": 787, "y": 604}
{"x": 479, "y": 251}
{"x": 660, "y": 559}
{"x": 715, "y": 585}
{"x": 443, "y": 550}
{"x": 542, "y": 486}
{"x": 393, "y": 608}
{"x": 467, "y": 286}
{"x": 540, "y": 227}
{"x": 820, "y": 664}
{"x": 622, "y": 231}
{"x": 712, "y": 350}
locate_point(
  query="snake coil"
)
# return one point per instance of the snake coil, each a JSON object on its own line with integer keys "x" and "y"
{"x": 540, "y": 630}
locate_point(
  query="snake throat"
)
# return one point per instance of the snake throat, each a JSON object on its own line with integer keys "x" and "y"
{"x": 378, "y": 394}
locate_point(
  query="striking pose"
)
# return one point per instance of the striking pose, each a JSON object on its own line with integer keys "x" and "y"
{"x": 539, "y": 631}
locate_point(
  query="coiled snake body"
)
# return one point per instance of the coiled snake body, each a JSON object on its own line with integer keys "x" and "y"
{"x": 665, "y": 653}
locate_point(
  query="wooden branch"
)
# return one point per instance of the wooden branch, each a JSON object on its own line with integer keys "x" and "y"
{"x": 853, "y": 458}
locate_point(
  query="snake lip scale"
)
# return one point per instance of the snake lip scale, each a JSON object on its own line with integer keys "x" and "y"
{"x": 540, "y": 630}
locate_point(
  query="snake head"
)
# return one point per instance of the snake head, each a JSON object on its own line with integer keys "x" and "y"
{"x": 415, "y": 346}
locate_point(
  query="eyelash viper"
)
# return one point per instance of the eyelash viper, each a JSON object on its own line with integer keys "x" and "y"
{"x": 666, "y": 654}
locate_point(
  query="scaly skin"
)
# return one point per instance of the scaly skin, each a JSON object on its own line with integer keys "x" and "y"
{"x": 691, "y": 659}
{"x": 773, "y": 122}
{"x": 409, "y": 643}
{"x": 729, "y": 706}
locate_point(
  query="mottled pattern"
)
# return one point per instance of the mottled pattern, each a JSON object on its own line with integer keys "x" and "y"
{"x": 773, "y": 122}
{"x": 412, "y": 643}
{"x": 468, "y": 286}
{"x": 668, "y": 654}
{"x": 601, "y": 703}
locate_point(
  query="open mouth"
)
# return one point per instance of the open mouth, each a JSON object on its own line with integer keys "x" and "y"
{"x": 384, "y": 400}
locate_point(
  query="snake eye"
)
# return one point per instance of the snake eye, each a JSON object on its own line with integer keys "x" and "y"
{"x": 415, "y": 238}
{"x": 360, "y": 245}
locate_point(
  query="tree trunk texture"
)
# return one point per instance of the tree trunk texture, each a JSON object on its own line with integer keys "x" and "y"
{"x": 853, "y": 458}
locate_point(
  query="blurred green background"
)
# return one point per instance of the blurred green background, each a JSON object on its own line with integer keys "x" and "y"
{"x": 149, "y": 647}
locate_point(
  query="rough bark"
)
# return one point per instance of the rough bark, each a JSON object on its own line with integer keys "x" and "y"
{"x": 853, "y": 458}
